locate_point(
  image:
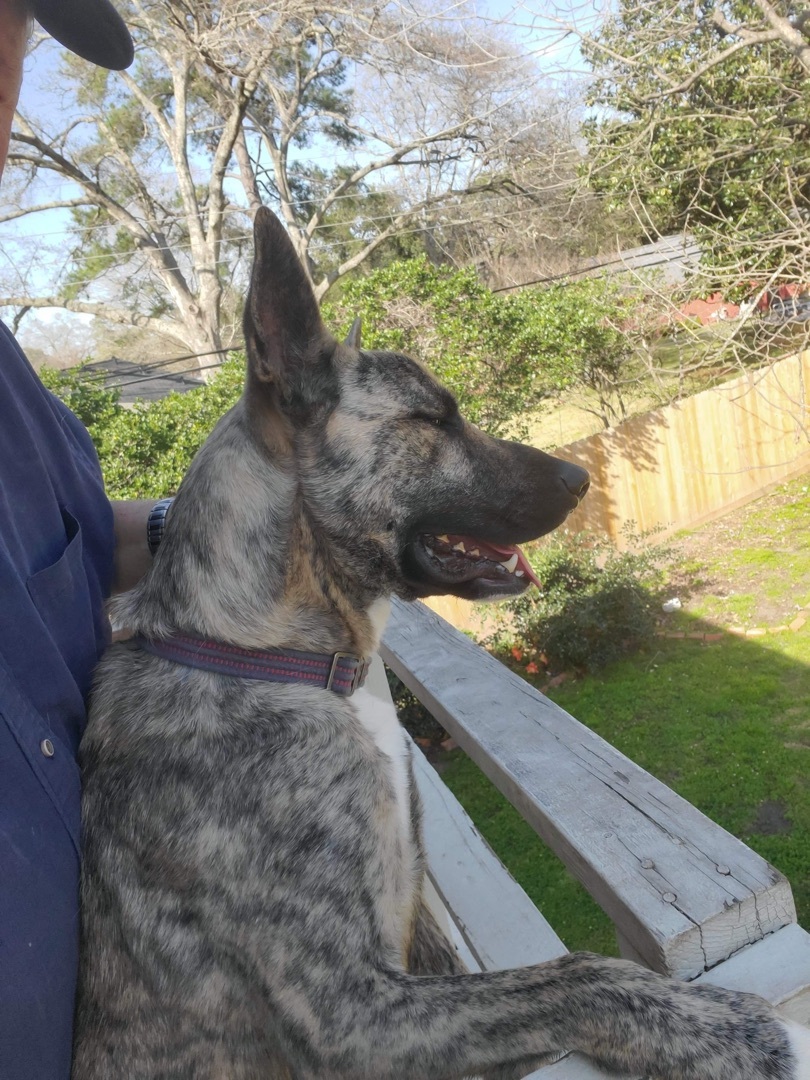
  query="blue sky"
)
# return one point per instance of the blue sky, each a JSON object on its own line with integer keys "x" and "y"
{"x": 44, "y": 95}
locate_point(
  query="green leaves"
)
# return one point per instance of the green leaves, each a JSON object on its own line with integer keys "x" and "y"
{"x": 502, "y": 354}
{"x": 145, "y": 451}
{"x": 597, "y": 604}
{"x": 700, "y": 133}
{"x": 85, "y": 394}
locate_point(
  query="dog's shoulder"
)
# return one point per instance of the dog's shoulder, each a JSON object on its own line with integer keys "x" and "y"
{"x": 156, "y": 717}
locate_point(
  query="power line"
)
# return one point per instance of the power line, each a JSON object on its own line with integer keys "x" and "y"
{"x": 323, "y": 245}
{"x": 619, "y": 261}
{"x": 242, "y": 210}
{"x": 186, "y": 371}
{"x": 101, "y": 376}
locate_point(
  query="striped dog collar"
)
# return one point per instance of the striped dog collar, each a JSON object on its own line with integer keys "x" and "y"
{"x": 339, "y": 672}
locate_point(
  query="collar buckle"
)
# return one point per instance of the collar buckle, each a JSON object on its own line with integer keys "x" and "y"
{"x": 362, "y": 665}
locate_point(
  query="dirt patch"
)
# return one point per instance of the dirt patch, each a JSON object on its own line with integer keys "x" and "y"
{"x": 749, "y": 568}
{"x": 771, "y": 819}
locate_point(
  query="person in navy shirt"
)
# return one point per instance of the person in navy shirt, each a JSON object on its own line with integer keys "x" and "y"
{"x": 63, "y": 549}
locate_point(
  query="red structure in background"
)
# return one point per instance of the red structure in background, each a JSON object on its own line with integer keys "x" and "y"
{"x": 713, "y": 309}
{"x": 783, "y": 292}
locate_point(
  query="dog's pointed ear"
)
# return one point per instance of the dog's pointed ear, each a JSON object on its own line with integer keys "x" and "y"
{"x": 284, "y": 335}
{"x": 353, "y": 336}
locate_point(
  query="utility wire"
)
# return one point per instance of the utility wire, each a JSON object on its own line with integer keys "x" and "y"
{"x": 619, "y": 261}
{"x": 322, "y": 246}
{"x": 185, "y": 245}
{"x": 186, "y": 371}
{"x": 102, "y": 376}
{"x": 244, "y": 211}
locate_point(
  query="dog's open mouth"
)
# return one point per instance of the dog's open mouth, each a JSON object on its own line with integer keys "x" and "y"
{"x": 471, "y": 568}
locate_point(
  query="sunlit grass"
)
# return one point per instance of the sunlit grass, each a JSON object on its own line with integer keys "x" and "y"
{"x": 726, "y": 724}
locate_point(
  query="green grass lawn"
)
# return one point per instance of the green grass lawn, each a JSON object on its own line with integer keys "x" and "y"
{"x": 727, "y": 724}
{"x": 751, "y": 568}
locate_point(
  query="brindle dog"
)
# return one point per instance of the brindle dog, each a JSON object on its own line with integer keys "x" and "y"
{"x": 252, "y": 890}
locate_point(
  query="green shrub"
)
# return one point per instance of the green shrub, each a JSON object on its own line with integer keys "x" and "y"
{"x": 597, "y": 604}
{"x": 412, "y": 714}
{"x": 85, "y": 394}
{"x": 145, "y": 451}
{"x": 502, "y": 354}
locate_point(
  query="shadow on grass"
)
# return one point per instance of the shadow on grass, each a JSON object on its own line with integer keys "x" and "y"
{"x": 726, "y": 724}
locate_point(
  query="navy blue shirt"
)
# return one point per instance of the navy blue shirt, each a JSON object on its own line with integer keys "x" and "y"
{"x": 56, "y": 552}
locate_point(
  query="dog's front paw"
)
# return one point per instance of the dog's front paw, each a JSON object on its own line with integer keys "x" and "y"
{"x": 754, "y": 1043}
{"x": 678, "y": 1031}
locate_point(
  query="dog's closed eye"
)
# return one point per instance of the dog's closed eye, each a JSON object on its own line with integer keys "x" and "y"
{"x": 444, "y": 420}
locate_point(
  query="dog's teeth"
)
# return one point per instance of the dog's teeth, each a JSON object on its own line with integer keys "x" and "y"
{"x": 444, "y": 539}
{"x": 474, "y": 551}
{"x": 510, "y": 563}
{"x": 459, "y": 547}
{"x": 519, "y": 573}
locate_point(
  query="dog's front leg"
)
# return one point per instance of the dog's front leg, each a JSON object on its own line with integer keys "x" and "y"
{"x": 626, "y": 1018}
{"x": 432, "y": 953}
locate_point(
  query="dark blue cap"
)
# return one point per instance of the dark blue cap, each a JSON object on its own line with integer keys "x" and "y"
{"x": 92, "y": 29}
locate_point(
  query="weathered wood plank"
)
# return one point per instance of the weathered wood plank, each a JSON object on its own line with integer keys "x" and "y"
{"x": 496, "y": 919}
{"x": 571, "y": 1067}
{"x": 499, "y": 922}
{"x": 777, "y": 968}
{"x": 480, "y": 906}
{"x": 683, "y": 893}
{"x": 445, "y": 921}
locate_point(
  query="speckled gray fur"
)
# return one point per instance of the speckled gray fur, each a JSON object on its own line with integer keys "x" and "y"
{"x": 251, "y": 900}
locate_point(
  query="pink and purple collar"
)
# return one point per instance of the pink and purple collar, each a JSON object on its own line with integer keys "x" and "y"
{"x": 340, "y": 672}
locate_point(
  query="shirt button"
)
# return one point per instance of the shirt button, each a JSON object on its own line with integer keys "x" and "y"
{"x": 46, "y": 746}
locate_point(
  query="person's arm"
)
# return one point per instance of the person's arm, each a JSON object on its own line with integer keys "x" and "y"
{"x": 132, "y": 555}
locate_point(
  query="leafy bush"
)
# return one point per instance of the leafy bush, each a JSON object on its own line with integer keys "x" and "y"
{"x": 597, "y": 603}
{"x": 85, "y": 394}
{"x": 501, "y": 354}
{"x": 145, "y": 451}
{"x": 412, "y": 714}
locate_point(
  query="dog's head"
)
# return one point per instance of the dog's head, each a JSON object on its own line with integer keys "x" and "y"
{"x": 413, "y": 499}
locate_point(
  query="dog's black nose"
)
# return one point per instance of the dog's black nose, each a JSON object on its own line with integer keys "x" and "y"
{"x": 575, "y": 479}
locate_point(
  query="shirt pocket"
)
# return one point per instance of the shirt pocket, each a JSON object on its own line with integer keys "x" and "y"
{"x": 61, "y": 595}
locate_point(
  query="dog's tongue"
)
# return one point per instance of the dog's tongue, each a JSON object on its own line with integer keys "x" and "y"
{"x": 499, "y": 553}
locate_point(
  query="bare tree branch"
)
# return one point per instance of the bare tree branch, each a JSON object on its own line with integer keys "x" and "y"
{"x": 121, "y": 316}
{"x": 419, "y": 110}
{"x": 54, "y": 204}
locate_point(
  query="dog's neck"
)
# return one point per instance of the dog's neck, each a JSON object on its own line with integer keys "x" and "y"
{"x": 242, "y": 562}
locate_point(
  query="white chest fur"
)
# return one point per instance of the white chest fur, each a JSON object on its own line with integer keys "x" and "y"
{"x": 377, "y": 714}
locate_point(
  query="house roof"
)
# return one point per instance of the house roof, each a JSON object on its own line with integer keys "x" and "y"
{"x": 671, "y": 256}
{"x": 135, "y": 381}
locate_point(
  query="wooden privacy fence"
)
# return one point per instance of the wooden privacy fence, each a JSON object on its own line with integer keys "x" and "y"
{"x": 687, "y": 463}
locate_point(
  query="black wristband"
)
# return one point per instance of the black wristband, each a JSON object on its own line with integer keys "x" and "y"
{"x": 156, "y": 523}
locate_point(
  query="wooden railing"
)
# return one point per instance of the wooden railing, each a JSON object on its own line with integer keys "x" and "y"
{"x": 686, "y": 897}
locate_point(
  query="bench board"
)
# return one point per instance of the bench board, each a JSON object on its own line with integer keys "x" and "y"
{"x": 682, "y": 892}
